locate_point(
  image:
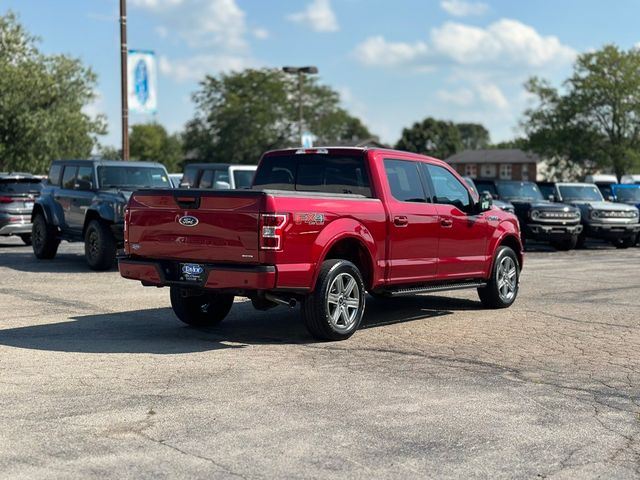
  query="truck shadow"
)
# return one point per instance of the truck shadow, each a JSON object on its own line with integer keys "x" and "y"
{"x": 157, "y": 331}
{"x": 62, "y": 263}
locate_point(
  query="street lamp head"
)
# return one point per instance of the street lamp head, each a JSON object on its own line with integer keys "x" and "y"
{"x": 295, "y": 70}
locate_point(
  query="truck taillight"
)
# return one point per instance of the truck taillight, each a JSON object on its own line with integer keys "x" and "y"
{"x": 271, "y": 227}
{"x": 6, "y": 200}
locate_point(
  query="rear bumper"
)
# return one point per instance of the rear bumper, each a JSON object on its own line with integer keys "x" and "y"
{"x": 15, "y": 224}
{"x": 217, "y": 276}
{"x": 552, "y": 232}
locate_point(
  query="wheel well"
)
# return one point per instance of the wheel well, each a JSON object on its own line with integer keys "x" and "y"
{"x": 511, "y": 242}
{"x": 354, "y": 251}
{"x": 36, "y": 210}
{"x": 92, "y": 215}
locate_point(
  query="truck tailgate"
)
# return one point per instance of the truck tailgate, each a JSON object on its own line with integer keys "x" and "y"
{"x": 203, "y": 225}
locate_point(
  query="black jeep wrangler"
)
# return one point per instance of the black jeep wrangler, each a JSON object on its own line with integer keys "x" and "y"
{"x": 539, "y": 219}
{"x": 84, "y": 200}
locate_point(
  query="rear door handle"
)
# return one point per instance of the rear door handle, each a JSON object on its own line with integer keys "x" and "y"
{"x": 446, "y": 223}
{"x": 400, "y": 221}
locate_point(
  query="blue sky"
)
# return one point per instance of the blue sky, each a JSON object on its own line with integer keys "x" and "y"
{"x": 394, "y": 62}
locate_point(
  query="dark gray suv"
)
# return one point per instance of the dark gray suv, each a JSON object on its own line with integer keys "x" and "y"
{"x": 18, "y": 192}
{"x": 84, "y": 201}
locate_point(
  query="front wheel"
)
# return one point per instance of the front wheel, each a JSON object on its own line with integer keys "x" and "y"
{"x": 502, "y": 288}
{"x": 99, "y": 246}
{"x": 335, "y": 309}
{"x": 625, "y": 242}
{"x": 200, "y": 309}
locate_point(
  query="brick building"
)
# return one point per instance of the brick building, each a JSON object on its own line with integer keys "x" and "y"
{"x": 502, "y": 164}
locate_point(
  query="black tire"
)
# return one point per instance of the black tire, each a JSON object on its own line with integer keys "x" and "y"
{"x": 565, "y": 244}
{"x": 582, "y": 239}
{"x": 26, "y": 238}
{"x": 99, "y": 246}
{"x": 44, "y": 238}
{"x": 317, "y": 314}
{"x": 625, "y": 242}
{"x": 494, "y": 295}
{"x": 200, "y": 310}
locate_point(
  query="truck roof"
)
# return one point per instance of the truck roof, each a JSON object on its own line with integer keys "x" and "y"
{"x": 110, "y": 163}
{"x": 349, "y": 149}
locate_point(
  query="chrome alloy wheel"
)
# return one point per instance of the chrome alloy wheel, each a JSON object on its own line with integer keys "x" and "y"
{"x": 343, "y": 302}
{"x": 507, "y": 277}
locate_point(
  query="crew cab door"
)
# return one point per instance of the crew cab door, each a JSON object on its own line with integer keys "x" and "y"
{"x": 81, "y": 197}
{"x": 463, "y": 235}
{"x": 414, "y": 227}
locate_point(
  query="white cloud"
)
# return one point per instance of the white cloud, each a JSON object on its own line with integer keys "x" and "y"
{"x": 196, "y": 67}
{"x": 201, "y": 23}
{"x": 318, "y": 16}
{"x": 376, "y": 51}
{"x": 96, "y": 106}
{"x": 461, "y": 8}
{"x": 491, "y": 95}
{"x": 505, "y": 41}
{"x": 480, "y": 96}
{"x": 462, "y": 97}
{"x": 261, "y": 33}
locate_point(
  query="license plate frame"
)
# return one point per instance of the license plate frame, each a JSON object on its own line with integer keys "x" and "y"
{"x": 192, "y": 272}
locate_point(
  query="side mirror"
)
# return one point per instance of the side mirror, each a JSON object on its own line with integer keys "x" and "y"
{"x": 485, "y": 202}
{"x": 552, "y": 198}
{"x": 222, "y": 185}
{"x": 611, "y": 198}
{"x": 486, "y": 192}
{"x": 84, "y": 184}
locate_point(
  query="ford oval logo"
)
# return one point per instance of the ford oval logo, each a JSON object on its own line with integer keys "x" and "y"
{"x": 188, "y": 221}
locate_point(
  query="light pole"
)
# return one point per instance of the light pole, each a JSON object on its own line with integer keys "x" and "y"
{"x": 300, "y": 71}
{"x": 123, "y": 79}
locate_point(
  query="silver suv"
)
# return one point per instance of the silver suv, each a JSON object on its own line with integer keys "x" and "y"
{"x": 18, "y": 191}
{"x": 615, "y": 222}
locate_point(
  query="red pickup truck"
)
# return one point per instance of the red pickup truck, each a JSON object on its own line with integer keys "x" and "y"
{"x": 323, "y": 227}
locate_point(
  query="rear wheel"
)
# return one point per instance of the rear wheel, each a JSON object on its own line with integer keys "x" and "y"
{"x": 335, "y": 309}
{"x": 99, "y": 246}
{"x": 200, "y": 309}
{"x": 625, "y": 242}
{"x": 44, "y": 238}
{"x": 26, "y": 238}
{"x": 502, "y": 288}
{"x": 565, "y": 244}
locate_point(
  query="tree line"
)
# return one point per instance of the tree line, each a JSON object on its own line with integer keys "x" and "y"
{"x": 592, "y": 122}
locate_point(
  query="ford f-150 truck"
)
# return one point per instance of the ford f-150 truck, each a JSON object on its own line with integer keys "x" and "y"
{"x": 322, "y": 227}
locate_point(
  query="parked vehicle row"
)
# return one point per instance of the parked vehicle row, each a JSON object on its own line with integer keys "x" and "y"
{"x": 611, "y": 221}
{"x": 540, "y": 219}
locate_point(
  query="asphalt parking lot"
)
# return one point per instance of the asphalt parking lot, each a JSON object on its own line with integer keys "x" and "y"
{"x": 98, "y": 379}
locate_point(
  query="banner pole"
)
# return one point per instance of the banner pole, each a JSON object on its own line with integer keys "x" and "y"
{"x": 123, "y": 79}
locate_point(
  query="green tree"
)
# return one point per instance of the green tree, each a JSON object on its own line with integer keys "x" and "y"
{"x": 150, "y": 141}
{"x": 473, "y": 136}
{"x": 240, "y": 115}
{"x": 595, "y": 122}
{"x": 432, "y": 137}
{"x": 41, "y": 103}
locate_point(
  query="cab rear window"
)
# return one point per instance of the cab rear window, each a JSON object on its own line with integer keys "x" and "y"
{"x": 314, "y": 173}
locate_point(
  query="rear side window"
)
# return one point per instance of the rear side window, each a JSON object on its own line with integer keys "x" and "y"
{"x": 243, "y": 178}
{"x": 69, "y": 177}
{"x": 404, "y": 180}
{"x": 206, "y": 180}
{"x": 447, "y": 188}
{"x": 189, "y": 178}
{"x": 54, "y": 174}
{"x": 314, "y": 173}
